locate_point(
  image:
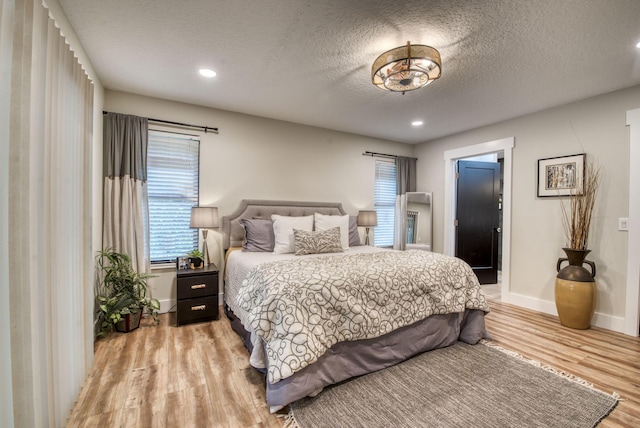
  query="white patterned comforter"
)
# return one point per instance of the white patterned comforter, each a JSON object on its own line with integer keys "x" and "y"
{"x": 302, "y": 307}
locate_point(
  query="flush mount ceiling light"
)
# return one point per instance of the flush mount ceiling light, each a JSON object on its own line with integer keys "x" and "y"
{"x": 406, "y": 68}
{"x": 207, "y": 72}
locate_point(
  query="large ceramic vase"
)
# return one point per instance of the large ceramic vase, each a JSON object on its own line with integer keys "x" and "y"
{"x": 575, "y": 290}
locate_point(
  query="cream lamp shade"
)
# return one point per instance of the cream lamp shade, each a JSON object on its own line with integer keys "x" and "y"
{"x": 204, "y": 217}
{"x": 367, "y": 218}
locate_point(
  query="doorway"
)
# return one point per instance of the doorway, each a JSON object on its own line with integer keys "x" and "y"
{"x": 503, "y": 149}
{"x": 478, "y": 228}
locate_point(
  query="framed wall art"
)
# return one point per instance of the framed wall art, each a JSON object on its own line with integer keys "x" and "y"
{"x": 561, "y": 176}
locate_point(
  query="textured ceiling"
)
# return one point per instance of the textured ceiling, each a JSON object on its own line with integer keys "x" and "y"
{"x": 310, "y": 62}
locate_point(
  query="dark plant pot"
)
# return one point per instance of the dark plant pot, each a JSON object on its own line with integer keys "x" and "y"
{"x": 129, "y": 322}
{"x": 195, "y": 262}
{"x": 575, "y": 290}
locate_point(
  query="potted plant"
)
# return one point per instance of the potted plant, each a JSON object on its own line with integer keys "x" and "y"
{"x": 196, "y": 259}
{"x": 122, "y": 293}
{"x": 575, "y": 286}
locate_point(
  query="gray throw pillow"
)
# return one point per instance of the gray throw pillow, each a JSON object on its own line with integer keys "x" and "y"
{"x": 258, "y": 235}
{"x": 326, "y": 241}
{"x": 354, "y": 236}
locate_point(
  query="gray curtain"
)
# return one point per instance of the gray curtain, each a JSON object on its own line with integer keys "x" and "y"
{"x": 126, "y": 212}
{"x": 405, "y": 182}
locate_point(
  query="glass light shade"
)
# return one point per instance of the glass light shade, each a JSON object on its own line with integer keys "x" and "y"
{"x": 204, "y": 217}
{"x": 406, "y": 68}
{"x": 367, "y": 218}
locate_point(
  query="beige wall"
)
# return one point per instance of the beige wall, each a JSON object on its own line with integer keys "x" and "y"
{"x": 257, "y": 158}
{"x": 595, "y": 126}
{"x": 260, "y": 158}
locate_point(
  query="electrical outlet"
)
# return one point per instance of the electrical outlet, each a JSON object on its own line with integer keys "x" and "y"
{"x": 623, "y": 224}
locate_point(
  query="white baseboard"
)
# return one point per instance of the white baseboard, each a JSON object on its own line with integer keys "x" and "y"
{"x": 608, "y": 322}
{"x": 167, "y": 305}
{"x": 530, "y": 303}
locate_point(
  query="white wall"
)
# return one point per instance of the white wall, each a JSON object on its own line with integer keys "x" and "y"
{"x": 595, "y": 126}
{"x": 257, "y": 158}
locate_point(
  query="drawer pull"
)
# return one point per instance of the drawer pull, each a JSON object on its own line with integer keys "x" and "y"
{"x": 199, "y": 308}
{"x": 198, "y": 286}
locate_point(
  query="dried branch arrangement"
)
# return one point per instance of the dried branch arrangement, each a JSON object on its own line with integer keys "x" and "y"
{"x": 578, "y": 208}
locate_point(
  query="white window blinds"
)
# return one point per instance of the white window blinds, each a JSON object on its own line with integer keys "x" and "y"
{"x": 172, "y": 182}
{"x": 385, "y": 203}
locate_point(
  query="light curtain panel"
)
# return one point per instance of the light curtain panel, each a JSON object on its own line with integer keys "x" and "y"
{"x": 6, "y": 38}
{"x": 50, "y": 265}
{"x": 405, "y": 182}
{"x": 125, "y": 206}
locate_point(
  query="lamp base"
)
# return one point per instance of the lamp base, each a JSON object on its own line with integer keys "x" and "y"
{"x": 366, "y": 238}
{"x": 205, "y": 248}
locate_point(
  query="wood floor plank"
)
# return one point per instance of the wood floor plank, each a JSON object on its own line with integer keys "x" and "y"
{"x": 147, "y": 384}
{"x": 191, "y": 407}
{"x": 153, "y": 349}
{"x": 606, "y": 359}
{"x": 199, "y": 374}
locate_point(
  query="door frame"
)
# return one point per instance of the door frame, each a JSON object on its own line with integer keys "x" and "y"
{"x": 632, "y": 307}
{"x": 504, "y": 145}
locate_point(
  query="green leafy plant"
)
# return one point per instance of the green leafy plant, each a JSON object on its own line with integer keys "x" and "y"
{"x": 121, "y": 290}
{"x": 195, "y": 254}
{"x": 196, "y": 258}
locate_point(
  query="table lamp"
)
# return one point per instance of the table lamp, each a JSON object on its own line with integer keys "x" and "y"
{"x": 367, "y": 219}
{"x": 204, "y": 218}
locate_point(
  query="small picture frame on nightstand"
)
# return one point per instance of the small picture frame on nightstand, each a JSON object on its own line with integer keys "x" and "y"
{"x": 182, "y": 263}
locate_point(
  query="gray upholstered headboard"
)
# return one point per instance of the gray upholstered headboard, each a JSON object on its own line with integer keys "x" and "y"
{"x": 233, "y": 232}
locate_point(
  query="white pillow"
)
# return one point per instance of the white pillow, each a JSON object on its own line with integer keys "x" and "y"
{"x": 283, "y": 230}
{"x": 326, "y": 222}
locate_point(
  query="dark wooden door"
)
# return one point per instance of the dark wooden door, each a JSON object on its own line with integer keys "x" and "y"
{"x": 477, "y": 231}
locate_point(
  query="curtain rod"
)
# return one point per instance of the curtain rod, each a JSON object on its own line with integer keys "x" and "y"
{"x": 186, "y": 125}
{"x": 384, "y": 155}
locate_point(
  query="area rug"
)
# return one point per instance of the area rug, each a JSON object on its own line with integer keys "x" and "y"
{"x": 458, "y": 386}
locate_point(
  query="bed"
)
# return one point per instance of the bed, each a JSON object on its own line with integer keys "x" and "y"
{"x": 336, "y": 309}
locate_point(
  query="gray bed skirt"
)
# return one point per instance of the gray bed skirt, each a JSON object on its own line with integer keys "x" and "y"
{"x": 349, "y": 359}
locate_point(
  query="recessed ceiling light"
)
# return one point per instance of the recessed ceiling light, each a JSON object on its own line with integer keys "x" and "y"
{"x": 417, "y": 123}
{"x": 638, "y": 45}
{"x": 207, "y": 72}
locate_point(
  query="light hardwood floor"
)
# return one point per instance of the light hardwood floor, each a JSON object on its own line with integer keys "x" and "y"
{"x": 608, "y": 360}
{"x": 198, "y": 375}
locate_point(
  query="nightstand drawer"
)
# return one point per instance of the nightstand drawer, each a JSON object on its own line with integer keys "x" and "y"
{"x": 196, "y": 310}
{"x": 197, "y": 286}
{"x": 197, "y": 293}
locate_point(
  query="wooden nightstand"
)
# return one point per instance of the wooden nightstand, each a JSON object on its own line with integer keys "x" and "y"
{"x": 197, "y": 292}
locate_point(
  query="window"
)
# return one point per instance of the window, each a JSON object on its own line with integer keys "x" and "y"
{"x": 385, "y": 203}
{"x": 172, "y": 183}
